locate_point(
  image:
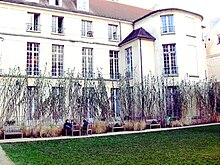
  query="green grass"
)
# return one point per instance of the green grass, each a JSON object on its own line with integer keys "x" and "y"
{"x": 186, "y": 146}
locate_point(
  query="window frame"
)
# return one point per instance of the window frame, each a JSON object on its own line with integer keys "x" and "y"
{"x": 57, "y": 62}
{"x": 32, "y": 103}
{"x": 33, "y": 24}
{"x": 115, "y": 102}
{"x": 113, "y": 32}
{"x": 86, "y": 29}
{"x": 57, "y": 25}
{"x": 58, "y": 95}
{"x": 129, "y": 62}
{"x": 87, "y": 63}
{"x": 114, "y": 64}
{"x": 33, "y": 55}
{"x": 172, "y": 103}
{"x": 170, "y": 60}
{"x": 167, "y": 22}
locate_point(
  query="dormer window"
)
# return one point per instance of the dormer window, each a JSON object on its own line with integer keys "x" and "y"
{"x": 113, "y": 32}
{"x": 83, "y": 5}
{"x": 87, "y": 29}
{"x": 55, "y": 2}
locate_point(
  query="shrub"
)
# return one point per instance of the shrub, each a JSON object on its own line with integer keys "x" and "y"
{"x": 129, "y": 126}
{"x": 99, "y": 127}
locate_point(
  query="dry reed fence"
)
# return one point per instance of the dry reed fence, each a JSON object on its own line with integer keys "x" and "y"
{"x": 41, "y": 105}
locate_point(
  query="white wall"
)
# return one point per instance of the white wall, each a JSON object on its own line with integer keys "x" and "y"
{"x": 213, "y": 52}
{"x": 16, "y": 38}
{"x": 180, "y": 38}
{"x": 148, "y": 58}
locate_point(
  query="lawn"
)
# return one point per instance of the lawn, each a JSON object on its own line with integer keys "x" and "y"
{"x": 186, "y": 146}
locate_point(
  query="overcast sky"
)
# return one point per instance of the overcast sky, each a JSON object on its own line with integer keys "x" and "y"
{"x": 209, "y": 9}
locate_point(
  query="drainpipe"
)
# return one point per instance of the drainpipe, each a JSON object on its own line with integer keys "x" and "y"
{"x": 142, "y": 82}
{"x": 120, "y": 31}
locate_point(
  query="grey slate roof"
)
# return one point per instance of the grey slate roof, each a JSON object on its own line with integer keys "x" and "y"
{"x": 138, "y": 33}
{"x": 101, "y": 8}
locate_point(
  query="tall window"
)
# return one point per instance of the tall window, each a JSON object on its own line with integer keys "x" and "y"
{"x": 33, "y": 58}
{"x": 87, "y": 28}
{"x": 33, "y": 23}
{"x": 167, "y": 24}
{"x": 113, "y": 32}
{"x": 169, "y": 53}
{"x": 114, "y": 67}
{"x": 172, "y": 101}
{"x": 87, "y": 63}
{"x": 57, "y": 102}
{"x": 57, "y": 60}
{"x": 57, "y": 25}
{"x": 115, "y": 102}
{"x": 129, "y": 65}
{"x": 88, "y": 94}
{"x": 32, "y": 103}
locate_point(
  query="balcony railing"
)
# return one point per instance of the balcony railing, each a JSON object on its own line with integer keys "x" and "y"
{"x": 34, "y": 73}
{"x": 58, "y": 30}
{"x": 171, "y": 71}
{"x": 33, "y": 27}
{"x": 115, "y": 76}
{"x": 113, "y": 37}
{"x": 167, "y": 29}
{"x": 89, "y": 33}
{"x": 89, "y": 75}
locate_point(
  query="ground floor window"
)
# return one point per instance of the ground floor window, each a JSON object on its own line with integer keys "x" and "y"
{"x": 32, "y": 103}
{"x": 115, "y": 102}
{"x": 88, "y": 102}
{"x": 57, "y": 102}
{"x": 172, "y": 101}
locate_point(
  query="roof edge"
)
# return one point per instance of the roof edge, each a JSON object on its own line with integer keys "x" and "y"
{"x": 160, "y": 10}
{"x": 58, "y": 8}
{"x": 137, "y": 38}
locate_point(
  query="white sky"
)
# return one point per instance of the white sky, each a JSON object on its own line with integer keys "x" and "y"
{"x": 209, "y": 9}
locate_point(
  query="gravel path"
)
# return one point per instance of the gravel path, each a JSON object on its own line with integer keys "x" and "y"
{"x": 4, "y": 159}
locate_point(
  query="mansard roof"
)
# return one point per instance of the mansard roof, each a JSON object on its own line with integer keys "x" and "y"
{"x": 117, "y": 10}
{"x": 138, "y": 33}
{"x": 101, "y": 8}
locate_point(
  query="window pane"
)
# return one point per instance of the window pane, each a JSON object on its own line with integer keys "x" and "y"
{"x": 32, "y": 58}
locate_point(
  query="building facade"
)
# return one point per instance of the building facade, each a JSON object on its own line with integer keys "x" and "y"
{"x": 212, "y": 42}
{"x": 85, "y": 38}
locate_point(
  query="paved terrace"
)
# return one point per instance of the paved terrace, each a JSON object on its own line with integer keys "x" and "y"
{"x": 4, "y": 160}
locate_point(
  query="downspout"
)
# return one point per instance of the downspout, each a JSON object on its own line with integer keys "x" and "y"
{"x": 120, "y": 30}
{"x": 142, "y": 83}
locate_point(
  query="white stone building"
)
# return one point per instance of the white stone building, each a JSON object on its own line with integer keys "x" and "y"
{"x": 212, "y": 44}
{"x": 54, "y": 37}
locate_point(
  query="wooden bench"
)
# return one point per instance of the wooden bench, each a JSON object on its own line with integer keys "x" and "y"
{"x": 87, "y": 130}
{"x": 12, "y": 130}
{"x": 152, "y": 124}
{"x": 118, "y": 128}
{"x": 75, "y": 128}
